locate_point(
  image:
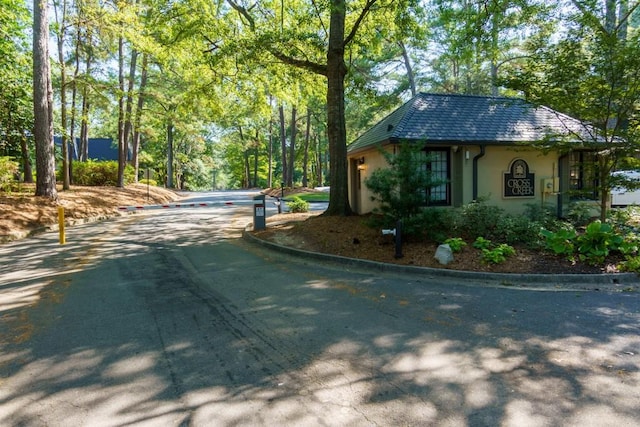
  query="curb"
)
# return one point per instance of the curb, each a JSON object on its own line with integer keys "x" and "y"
{"x": 622, "y": 282}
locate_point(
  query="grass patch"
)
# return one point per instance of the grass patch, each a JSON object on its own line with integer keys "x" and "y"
{"x": 315, "y": 196}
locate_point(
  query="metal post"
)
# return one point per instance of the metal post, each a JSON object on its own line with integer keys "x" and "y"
{"x": 61, "y": 224}
{"x": 398, "y": 239}
{"x": 281, "y": 197}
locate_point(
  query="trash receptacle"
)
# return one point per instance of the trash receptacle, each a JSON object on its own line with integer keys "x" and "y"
{"x": 259, "y": 214}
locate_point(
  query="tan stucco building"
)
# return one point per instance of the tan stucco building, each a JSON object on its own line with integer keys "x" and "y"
{"x": 482, "y": 147}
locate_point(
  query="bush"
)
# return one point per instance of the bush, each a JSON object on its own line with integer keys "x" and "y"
{"x": 517, "y": 229}
{"x": 97, "y": 173}
{"x": 561, "y": 242}
{"x": 597, "y": 241}
{"x": 151, "y": 182}
{"x": 479, "y": 219}
{"x": 580, "y": 213}
{"x": 498, "y": 254}
{"x": 631, "y": 264}
{"x": 455, "y": 243}
{"x": 481, "y": 243}
{"x": 430, "y": 223}
{"x": 545, "y": 216}
{"x": 297, "y": 205}
{"x": 8, "y": 170}
{"x": 400, "y": 188}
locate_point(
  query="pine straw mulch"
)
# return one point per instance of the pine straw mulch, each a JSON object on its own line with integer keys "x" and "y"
{"x": 352, "y": 237}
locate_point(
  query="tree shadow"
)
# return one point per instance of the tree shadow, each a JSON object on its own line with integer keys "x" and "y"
{"x": 192, "y": 326}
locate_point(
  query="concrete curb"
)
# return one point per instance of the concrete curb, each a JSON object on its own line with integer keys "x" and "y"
{"x": 623, "y": 282}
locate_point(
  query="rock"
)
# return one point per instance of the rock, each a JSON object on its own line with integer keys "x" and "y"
{"x": 444, "y": 254}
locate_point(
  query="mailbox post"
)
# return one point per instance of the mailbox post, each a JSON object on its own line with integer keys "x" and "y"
{"x": 259, "y": 213}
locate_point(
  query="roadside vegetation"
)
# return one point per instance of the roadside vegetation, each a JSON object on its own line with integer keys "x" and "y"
{"x": 401, "y": 195}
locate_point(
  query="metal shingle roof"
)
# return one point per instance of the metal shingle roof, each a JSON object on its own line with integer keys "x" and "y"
{"x": 460, "y": 119}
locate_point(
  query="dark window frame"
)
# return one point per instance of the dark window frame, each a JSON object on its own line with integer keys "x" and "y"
{"x": 442, "y": 191}
{"x": 583, "y": 175}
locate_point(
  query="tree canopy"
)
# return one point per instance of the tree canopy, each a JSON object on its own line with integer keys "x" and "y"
{"x": 254, "y": 94}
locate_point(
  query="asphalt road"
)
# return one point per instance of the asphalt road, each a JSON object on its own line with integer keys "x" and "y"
{"x": 169, "y": 318}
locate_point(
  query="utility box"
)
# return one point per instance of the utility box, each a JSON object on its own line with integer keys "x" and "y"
{"x": 259, "y": 213}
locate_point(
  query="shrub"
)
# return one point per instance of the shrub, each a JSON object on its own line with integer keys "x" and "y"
{"x": 95, "y": 173}
{"x": 498, "y": 254}
{"x": 455, "y": 243}
{"x": 597, "y": 241}
{"x": 297, "y": 205}
{"x": 560, "y": 242}
{"x": 482, "y": 243}
{"x": 631, "y": 264}
{"x": 630, "y": 245}
{"x": 580, "y": 213}
{"x": 479, "y": 219}
{"x": 544, "y": 215}
{"x": 517, "y": 229}
{"x": 432, "y": 223}
{"x": 146, "y": 181}
{"x": 400, "y": 188}
{"x": 8, "y": 170}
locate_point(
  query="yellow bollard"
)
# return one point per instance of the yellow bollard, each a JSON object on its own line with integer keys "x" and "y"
{"x": 61, "y": 224}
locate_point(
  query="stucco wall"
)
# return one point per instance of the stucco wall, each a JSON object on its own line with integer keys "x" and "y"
{"x": 494, "y": 164}
{"x": 491, "y": 168}
{"x": 372, "y": 160}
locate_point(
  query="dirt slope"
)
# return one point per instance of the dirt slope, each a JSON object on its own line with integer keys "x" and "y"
{"x": 22, "y": 213}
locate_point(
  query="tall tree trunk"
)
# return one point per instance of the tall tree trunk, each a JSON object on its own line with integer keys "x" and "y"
{"x": 61, "y": 21}
{"x": 83, "y": 148}
{"x": 305, "y": 160}
{"x": 122, "y": 149}
{"x": 292, "y": 147}
{"x": 42, "y": 103}
{"x": 128, "y": 125}
{"x": 610, "y": 16}
{"x": 74, "y": 100}
{"x": 135, "y": 149}
{"x": 623, "y": 20}
{"x": 270, "y": 155}
{"x": 170, "y": 154}
{"x": 246, "y": 173}
{"x": 246, "y": 180}
{"x": 336, "y": 128}
{"x": 495, "y": 26}
{"x": 255, "y": 159}
{"x": 27, "y": 172}
{"x": 283, "y": 143}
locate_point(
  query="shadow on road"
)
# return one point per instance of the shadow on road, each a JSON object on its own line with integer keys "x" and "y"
{"x": 190, "y": 326}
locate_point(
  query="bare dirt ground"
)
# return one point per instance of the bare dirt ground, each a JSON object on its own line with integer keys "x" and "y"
{"x": 22, "y": 213}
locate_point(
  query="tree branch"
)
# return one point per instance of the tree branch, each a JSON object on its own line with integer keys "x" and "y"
{"x": 244, "y": 13}
{"x": 356, "y": 26}
{"x": 300, "y": 63}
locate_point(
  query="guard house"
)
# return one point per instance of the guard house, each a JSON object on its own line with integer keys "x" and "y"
{"x": 480, "y": 147}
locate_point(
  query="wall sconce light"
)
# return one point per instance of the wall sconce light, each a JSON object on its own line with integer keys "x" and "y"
{"x": 361, "y": 165}
{"x": 466, "y": 155}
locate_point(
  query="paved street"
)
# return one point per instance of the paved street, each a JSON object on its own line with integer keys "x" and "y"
{"x": 169, "y": 318}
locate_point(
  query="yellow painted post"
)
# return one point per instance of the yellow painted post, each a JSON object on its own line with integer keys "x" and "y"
{"x": 61, "y": 224}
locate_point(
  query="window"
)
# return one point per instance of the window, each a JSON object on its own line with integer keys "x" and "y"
{"x": 583, "y": 176}
{"x": 437, "y": 164}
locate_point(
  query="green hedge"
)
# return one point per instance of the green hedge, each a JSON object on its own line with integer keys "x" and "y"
{"x": 95, "y": 173}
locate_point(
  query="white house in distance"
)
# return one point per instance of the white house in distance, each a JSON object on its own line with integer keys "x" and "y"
{"x": 481, "y": 147}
